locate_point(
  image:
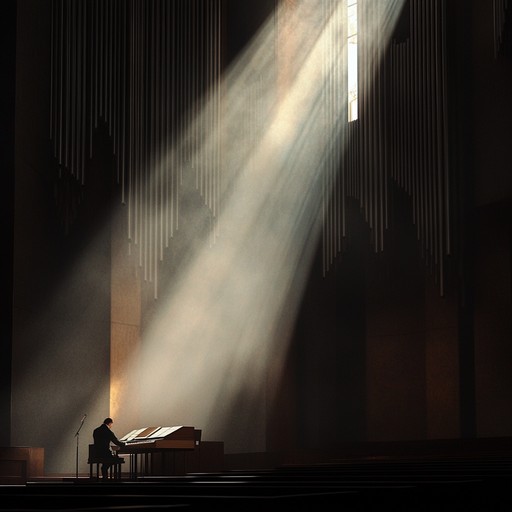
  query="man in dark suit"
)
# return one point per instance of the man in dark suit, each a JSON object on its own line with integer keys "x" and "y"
{"x": 103, "y": 436}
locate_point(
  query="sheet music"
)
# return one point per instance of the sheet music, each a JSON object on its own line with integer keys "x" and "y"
{"x": 131, "y": 435}
{"x": 165, "y": 431}
{"x": 149, "y": 433}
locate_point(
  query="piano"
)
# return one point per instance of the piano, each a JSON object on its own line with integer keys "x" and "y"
{"x": 157, "y": 450}
{"x": 156, "y": 438}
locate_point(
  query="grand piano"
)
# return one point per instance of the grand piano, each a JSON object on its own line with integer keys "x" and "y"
{"x": 158, "y": 450}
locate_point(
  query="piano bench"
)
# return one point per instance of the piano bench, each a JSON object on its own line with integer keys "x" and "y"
{"x": 114, "y": 471}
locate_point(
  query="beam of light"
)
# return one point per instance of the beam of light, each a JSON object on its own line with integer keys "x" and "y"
{"x": 227, "y": 317}
{"x": 211, "y": 356}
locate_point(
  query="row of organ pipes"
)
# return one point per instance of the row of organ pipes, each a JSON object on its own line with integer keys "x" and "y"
{"x": 144, "y": 68}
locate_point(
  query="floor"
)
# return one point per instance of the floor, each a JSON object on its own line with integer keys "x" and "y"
{"x": 425, "y": 484}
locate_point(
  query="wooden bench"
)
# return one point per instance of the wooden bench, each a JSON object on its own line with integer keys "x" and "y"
{"x": 114, "y": 471}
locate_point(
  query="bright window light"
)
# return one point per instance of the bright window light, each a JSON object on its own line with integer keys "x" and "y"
{"x": 352, "y": 59}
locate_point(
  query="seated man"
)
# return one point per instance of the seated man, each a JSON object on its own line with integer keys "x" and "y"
{"x": 103, "y": 436}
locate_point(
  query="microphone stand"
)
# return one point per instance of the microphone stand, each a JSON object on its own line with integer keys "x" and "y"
{"x": 77, "y": 435}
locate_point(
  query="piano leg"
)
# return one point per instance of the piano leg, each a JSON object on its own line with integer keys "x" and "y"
{"x": 148, "y": 464}
{"x": 133, "y": 466}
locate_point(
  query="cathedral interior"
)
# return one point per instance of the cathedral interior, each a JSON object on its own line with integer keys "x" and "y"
{"x": 349, "y": 308}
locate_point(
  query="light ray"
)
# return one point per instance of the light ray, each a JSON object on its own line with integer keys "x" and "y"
{"x": 228, "y": 315}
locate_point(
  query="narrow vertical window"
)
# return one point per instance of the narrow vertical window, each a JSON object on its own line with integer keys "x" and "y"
{"x": 352, "y": 59}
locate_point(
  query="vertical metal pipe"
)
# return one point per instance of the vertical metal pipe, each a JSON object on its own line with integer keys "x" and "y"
{"x": 421, "y": 121}
{"x": 339, "y": 168}
{"x": 159, "y": 117}
{"x": 58, "y": 147}
{"x": 168, "y": 117}
{"x": 207, "y": 160}
{"x": 130, "y": 103}
{"x": 162, "y": 116}
{"x": 376, "y": 131}
{"x": 116, "y": 65}
{"x": 74, "y": 88}
{"x": 439, "y": 146}
{"x": 423, "y": 131}
{"x": 411, "y": 65}
{"x": 73, "y": 22}
{"x": 152, "y": 169}
{"x": 445, "y": 231}
{"x": 428, "y": 134}
{"x": 111, "y": 66}
{"x": 432, "y": 157}
{"x": 432, "y": 134}
{"x": 92, "y": 55}
{"x": 327, "y": 176}
{"x": 218, "y": 82}
{"x": 382, "y": 159}
{"x": 101, "y": 50}
{"x": 83, "y": 79}
{"x": 174, "y": 117}
{"x": 81, "y": 89}
{"x": 363, "y": 124}
{"x": 96, "y": 41}
{"x": 135, "y": 126}
{"x": 67, "y": 87}
{"x": 370, "y": 121}
{"x": 402, "y": 88}
{"x": 148, "y": 141}
{"x": 138, "y": 127}
{"x": 402, "y": 80}
{"x": 155, "y": 167}
{"x": 436, "y": 213}
{"x": 417, "y": 118}
{"x": 53, "y": 29}
{"x": 143, "y": 139}
{"x": 122, "y": 81}
{"x": 393, "y": 111}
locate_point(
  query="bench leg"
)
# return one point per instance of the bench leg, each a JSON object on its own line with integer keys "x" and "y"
{"x": 113, "y": 473}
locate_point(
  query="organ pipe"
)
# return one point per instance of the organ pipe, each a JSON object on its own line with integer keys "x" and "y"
{"x": 501, "y": 12}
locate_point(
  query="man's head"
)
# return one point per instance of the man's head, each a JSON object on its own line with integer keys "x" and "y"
{"x": 108, "y": 422}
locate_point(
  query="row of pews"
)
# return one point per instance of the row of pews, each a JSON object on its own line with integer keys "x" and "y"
{"x": 426, "y": 483}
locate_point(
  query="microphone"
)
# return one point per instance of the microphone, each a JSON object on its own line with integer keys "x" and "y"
{"x": 81, "y": 423}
